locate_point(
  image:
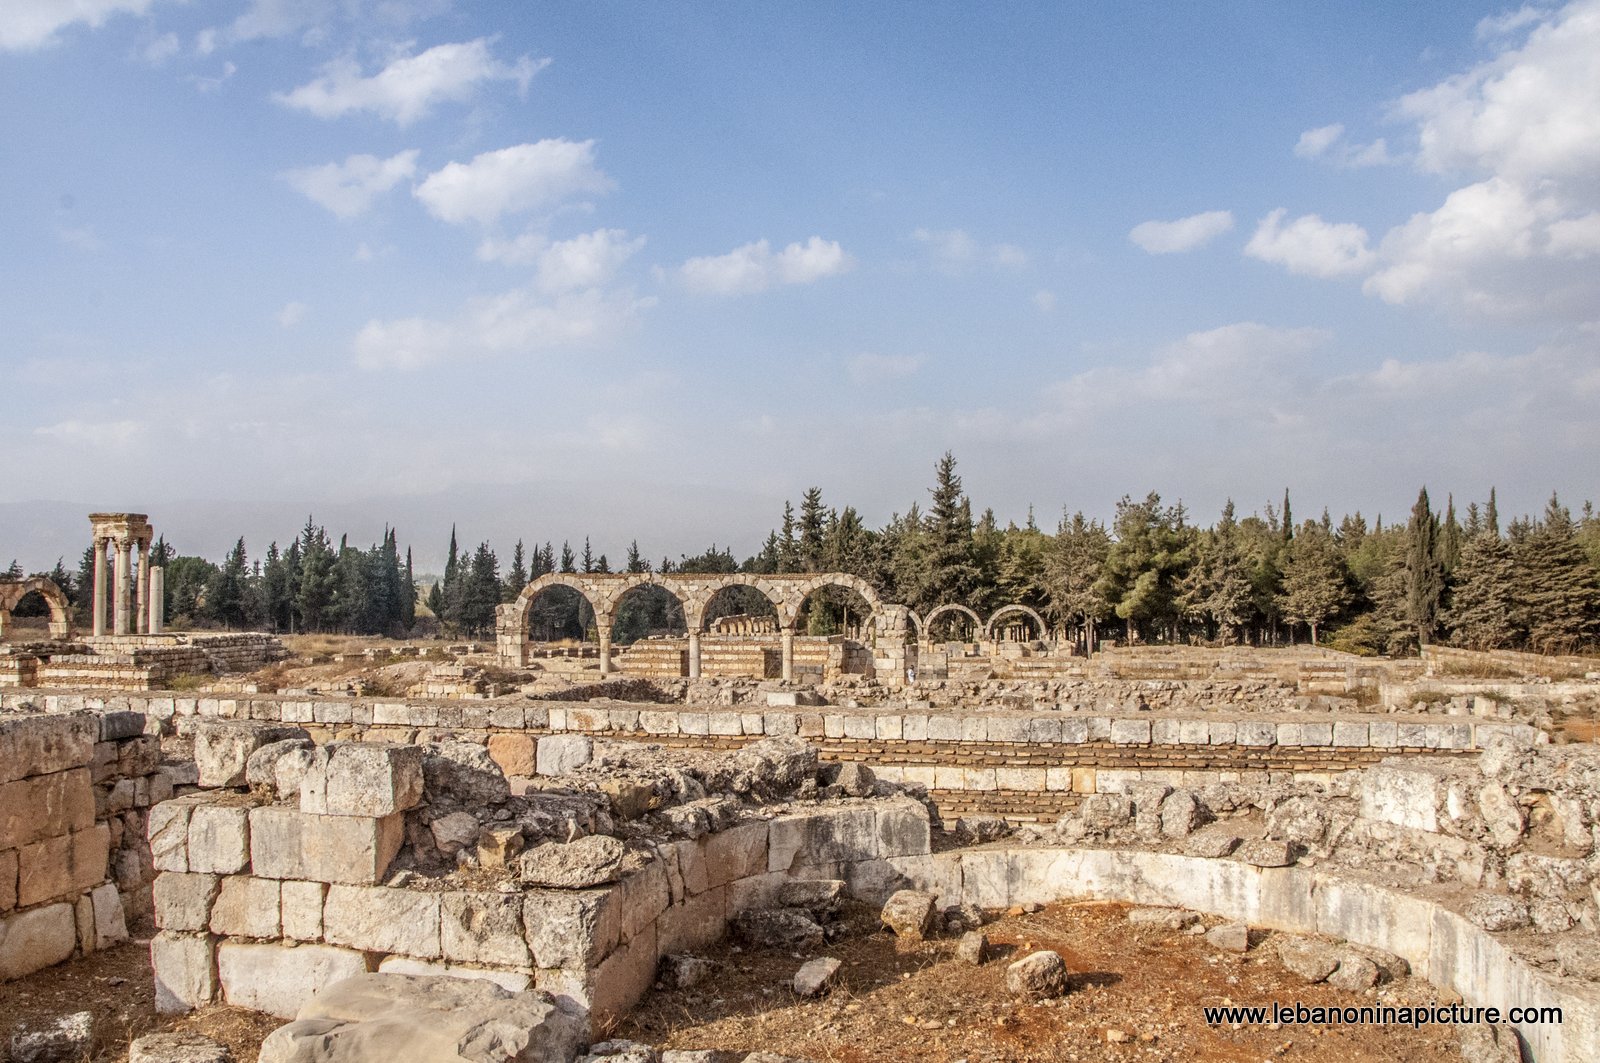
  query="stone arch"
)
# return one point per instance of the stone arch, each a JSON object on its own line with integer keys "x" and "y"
{"x": 803, "y": 590}
{"x": 1016, "y": 607}
{"x": 712, "y": 585}
{"x": 641, "y": 581}
{"x": 951, "y": 607}
{"x": 573, "y": 581}
{"x": 13, "y": 591}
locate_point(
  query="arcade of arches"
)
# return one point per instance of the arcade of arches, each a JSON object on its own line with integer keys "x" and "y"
{"x": 891, "y": 631}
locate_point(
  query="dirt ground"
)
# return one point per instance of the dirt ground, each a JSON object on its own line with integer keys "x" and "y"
{"x": 1136, "y": 994}
{"x": 116, "y": 987}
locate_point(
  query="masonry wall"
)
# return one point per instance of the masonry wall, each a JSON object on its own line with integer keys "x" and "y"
{"x": 73, "y": 794}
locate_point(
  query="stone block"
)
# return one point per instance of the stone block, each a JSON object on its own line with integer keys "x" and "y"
{"x": 222, "y": 748}
{"x": 517, "y": 754}
{"x": 378, "y": 919}
{"x": 247, "y": 907}
{"x": 362, "y": 779}
{"x": 183, "y": 901}
{"x": 44, "y": 745}
{"x": 166, "y": 1047}
{"x": 570, "y": 928}
{"x": 560, "y": 754}
{"x": 110, "y": 920}
{"x": 510, "y": 981}
{"x": 219, "y": 839}
{"x": 1351, "y": 734}
{"x": 300, "y": 912}
{"x": 185, "y": 968}
{"x": 1130, "y": 732}
{"x": 45, "y": 806}
{"x": 694, "y": 925}
{"x": 483, "y": 928}
{"x": 901, "y": 829}
{"x": 821, "y": 838}
{"x": 168, "y": 831}
{"x": 288, "y": 843}
{"x": 280, "y": 980}
{"x": 735, "y": 853}
{"x": 32, "y": 941}
{"x": 621, "y": 980}
{"x": 63, "y": 868}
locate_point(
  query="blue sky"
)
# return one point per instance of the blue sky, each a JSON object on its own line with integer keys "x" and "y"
{"x": 555, "y": 270}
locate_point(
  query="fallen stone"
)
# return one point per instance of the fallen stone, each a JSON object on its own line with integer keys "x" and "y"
{"x": 463, "y": 772}
{"x": 1496, "y": 911}
{"x": 855, "y": 779}
{"x": 177, "y": 1048}
{"x": 909, "y": 913}
{"x": 1267, "y": 852}
{"x": 962, "y": 917}
{"x": 591, "y": 861}
{"x": 778, "y": 927}
{"x": 560, "y": 754}
{"x": 815, "y": 975}
{"x": 280, "y": 765}
{"x": 1165, "y": 918}
{"x": 1579, "y": 956}
{"x": 499, "y": 846}
{"x": 819, "y": 896}
{"x": 620, "y": 1052}
{"x": 366, "y": 779}
{"x": 1180, "y": 814}
{"x": 1312, "y": 960}
{"x": 454, "y": 832}
{"x": 1481, "y": 1042}
{"x": 701, "y": 1055}
{"x": 1230, "y": 937}
{"x": 66, "y": 1040}
{"x": 681, "y": 971}
{"x": 391, "y": 1017}
{"x": 1212, "y": 846}
{"x": 973, "y": 948}
{"x": 769, "y": 768}
{"x": 980, "y": 829}
{"x": 1105, "y": 811}
{"x": 222, "y": 748}
{"x": 1355, "y": 973}
{"x": 1040, "y": 976}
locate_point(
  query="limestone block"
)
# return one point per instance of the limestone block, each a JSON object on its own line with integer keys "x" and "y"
{"x": 590, "y": 861}
{"x": 902, "y": 829}
{"x": 222, "y": 748}
{"x": 642, "y": 897}
{"x": 691, "y": 864}
{"x": 515, "y": 753}
{"x": 570, "y": 928}
{"x": 510, "y": 981}
{"x": 822, "y": 837}
{"x": 32, "y": 941}
{"x": 280, "y": 980}
{"x": 169, "y": 1047}
{"x": 183, "y": 901}
{"x": 301, "y": 910}
{"x": 1038, "y": 976}
{"x": 168, "y": 831}
{"x": 909, "y": 913}
{"x": 63, "y": 868}
{"x": 560, "y": 754}
{"x": 405, "y": 1017}
{"x": 362, "y": 779}
{"x": 247, "y": 907}
{"x": 280, "y": 765}
{"x": 8, "y": 880}
{"x": 219, "y": 839}
{"x": 1404, "y": 794}
{"x": 288, "y": 843}
{"x": 110, "y": 920}
{"x": 483, "y": 928}
{"x": 733, "y": 854}
{"x": 185, "y": 971}
{"x": 378, "y": 919}
{"x": 45, "y": 806}
{"x": 44, "y": 745}
{"x": 621, "y": 980}
{"x": 694, "y": 925}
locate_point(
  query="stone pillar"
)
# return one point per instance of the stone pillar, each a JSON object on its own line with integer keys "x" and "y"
{"x": 158, "y": 610}
{"x": 604, "y": 631}
{"x": 122, "y": 588}
{"x": 141, "y": 589}
{"x": 788, "y": 655}
{"x": 99, "y": 587}
{"x": 694, "y": 655}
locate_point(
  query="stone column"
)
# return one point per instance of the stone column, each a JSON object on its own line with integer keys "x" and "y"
{"x": 122, "y": 588}
{"x": 99, "y": 587}
{"x": 141, "y": 593}
{"x": 694, "y": 655}
{"x": 158, "y": 609}
{"x": 604, "y": 631}
{"x": 788, "y": 655}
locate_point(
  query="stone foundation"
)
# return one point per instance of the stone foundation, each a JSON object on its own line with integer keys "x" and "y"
{"x": 135, "y": 662}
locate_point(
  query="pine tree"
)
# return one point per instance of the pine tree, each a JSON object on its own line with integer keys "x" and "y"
{"x": 1229, "y": 600}
{"x": 788, "y": 545}
{"x": 1560, "y": 589}
{"x": 1288, "y": 518}
{"x": 1073, "y": 567}
{"x": 1314, "y": 579}
{"x": 1145, "y": 563}
{"x": 813, "y": 525}
{"x": 945, "y": 571}
{"x": 1450, "y": 537}
{"x": 1424, "y": 571}
{"x": 1491, "y": 516}
{"x": 588, "y": 556}
{"x": 227, "y": 597}
{"x": 480, "y": 592}
{"x": 408, "y": 602}
{"x": 316, "y": 578}
{"x": 516, "y": 575}
{"x": 636, "y": 562}
{"x": 568, "y": 560}
{"x": 1483, "y": 606}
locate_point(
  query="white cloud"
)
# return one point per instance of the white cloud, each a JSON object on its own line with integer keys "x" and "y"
{"x": 292, "y": 314}
{"x": 517, "y": 251}
{"x": 586, "y": 261}
{"x": 158, "y": 50}
{"x": 1044, "y": 301}
{"x": 755, "y": 267}
{"x": 409, "y": 86}
{"x": 313, "y": 20}
{"x": 512, "y": 180}
{"x": 522, "y": 321}
{"x": 349, "y": 188}
{"x": 83, "y": 237}
{"x": 1575, "y": 237}
{"x": 880, "y": 368}
{"x": 1509, "y": 22}
{"x": 213, "y": 83}
{"x": 29, "y": 24}
{"x": 1185, "y": 234}
{"x": 1311, "y": 246}
{"x": 1008, "y": 256}
{"x": 1315, "y": 142}
{"x": 955, "y": 251}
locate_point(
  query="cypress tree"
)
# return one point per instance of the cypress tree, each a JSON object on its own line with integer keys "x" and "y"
{"x": 1424, "y": 571}
{"x": 1483, "y": 607}
{"x": 1450, "y": 537}
{"x": 408, "y": 600}
{"x": 1560, "y": 590}
{"x": 516, "y": 576}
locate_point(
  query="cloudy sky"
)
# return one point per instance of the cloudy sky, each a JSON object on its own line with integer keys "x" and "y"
{"x": 549, "y": 270}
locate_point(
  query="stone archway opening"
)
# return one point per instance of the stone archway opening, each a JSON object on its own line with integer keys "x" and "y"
{"x": 952, "y": 623}
{"x": 647, "y": 611}
{"x": 1017, "y": 623}
{"x": 34, "y": 609}
{"x": 741, "y": 609}
{"x": 559, "y": 615}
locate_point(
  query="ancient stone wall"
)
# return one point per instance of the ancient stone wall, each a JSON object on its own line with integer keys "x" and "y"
{"x": 135, "y": 662}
